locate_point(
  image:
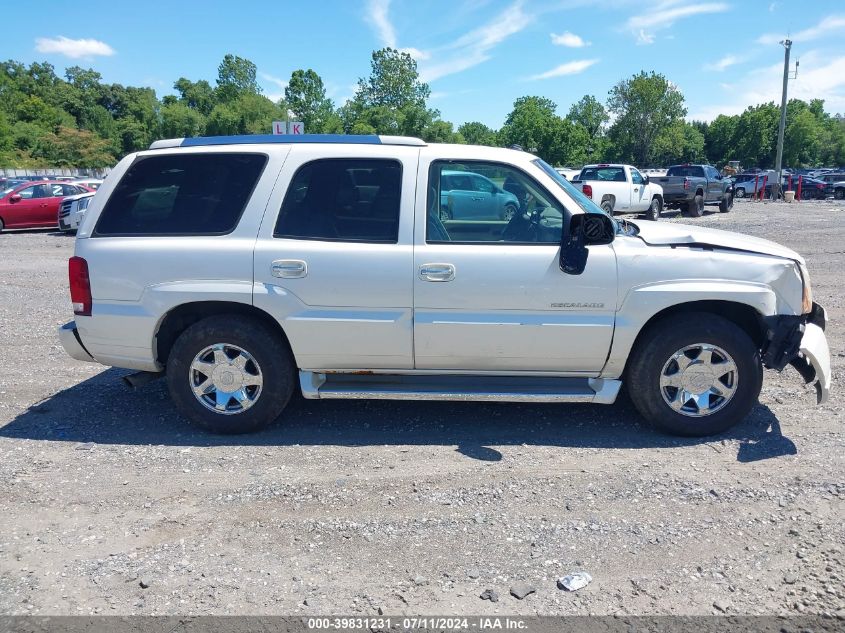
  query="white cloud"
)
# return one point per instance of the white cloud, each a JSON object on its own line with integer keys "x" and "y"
{"x": 830, "y": 25}
{"x": 378, "y": 18}
{"x": 73, "y": 48}
{"x": 568, "y": 39}
{"x": 474, "y": 48}
{"x": 569, "y": 68}
{"x": 821, "y": 77}
{"x": 281, "y": 84}
{"x": 663, "y": 15}
{"x": 723, "y": 64}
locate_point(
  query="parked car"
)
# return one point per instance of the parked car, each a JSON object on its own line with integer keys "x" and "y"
{"x": 72, "y": 210}
{"x": 244, "y": 268}
{"x": 620, "y": 189}
{"x": 33, "y": 205}
{"x": 830, "y": 179}
{"x": 568, "y": 173}
{"x": 91, "y": 183}
{"x": 690, "y": 187}
{"x": 744, "y": 184}
{"x": 465, "y": 195}
{"x": 838, "y": 190}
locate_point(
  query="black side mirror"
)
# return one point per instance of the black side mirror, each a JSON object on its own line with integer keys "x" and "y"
{"x": 584, "y": 229}
{"x": 646, "y": 180}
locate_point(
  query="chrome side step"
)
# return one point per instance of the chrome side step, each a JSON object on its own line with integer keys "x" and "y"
{"x": 352, "y": 386}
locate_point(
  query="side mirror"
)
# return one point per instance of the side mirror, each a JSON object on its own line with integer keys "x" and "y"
{"x": 646, "y": 180}
{"x": 15, "y": 198}
{"x": 584, "y": 229}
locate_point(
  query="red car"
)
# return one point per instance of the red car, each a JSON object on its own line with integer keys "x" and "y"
{"x": 35, "y": 205}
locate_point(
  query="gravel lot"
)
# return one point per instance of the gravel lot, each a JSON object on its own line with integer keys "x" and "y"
{"x": 110, "y": 504}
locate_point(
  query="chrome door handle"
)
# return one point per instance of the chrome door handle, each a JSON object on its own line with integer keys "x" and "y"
{"x": 636, "y": 188}
{"x": 289, "y": 268}
{"x": 478, "y": 198}
{"x": 437, "y": 272}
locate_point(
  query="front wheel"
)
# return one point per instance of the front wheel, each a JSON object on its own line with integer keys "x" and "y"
{"x": 727, "y": 203}
{"x": 230, "y": 374}
{"x": 740, "y": 192}
{"x": 445, "y": 214}
{"x": 839, "y": 194}
{"x": 2, "y": 226}
{"x": 697, "y": 379}
{"x": 654, "y": 209}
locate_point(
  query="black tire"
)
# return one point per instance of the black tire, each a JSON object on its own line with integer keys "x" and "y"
{"x": 607, "y": 207}
{"x": 739, "y": 192}
{"x": 695, "y": 208}
{"x": 270, "y": 353}
{"x": 445, "y": 214}
{"x": 654, "y": 210}
{"x": 2, "y": 225}
{"x": 509, "y": 213}
{"x": 839, "y": 194}
{"x": 656, "y": 346}
{"x": 727, "y": 203}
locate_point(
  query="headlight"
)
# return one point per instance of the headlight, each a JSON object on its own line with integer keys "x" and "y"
{"x": 807, "y": 295}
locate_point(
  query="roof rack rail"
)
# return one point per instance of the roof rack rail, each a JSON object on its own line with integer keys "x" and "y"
{"x": 257, "y": 139}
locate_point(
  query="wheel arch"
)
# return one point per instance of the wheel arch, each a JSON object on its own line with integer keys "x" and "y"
{"x": 181, "y": 317}
{"x": 609, "y": 197}
{"x": 626, "y": 339}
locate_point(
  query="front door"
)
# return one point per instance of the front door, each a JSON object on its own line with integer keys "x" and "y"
{"x": 490, "y": 296}
{"x": 639, "y": 197}
{"x": 333, "y": 261}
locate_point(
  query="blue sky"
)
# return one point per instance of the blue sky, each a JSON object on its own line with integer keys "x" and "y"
{"x": 477, "y": 55}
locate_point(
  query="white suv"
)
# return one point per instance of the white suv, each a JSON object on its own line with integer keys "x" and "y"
{"x": 246, "y": 267}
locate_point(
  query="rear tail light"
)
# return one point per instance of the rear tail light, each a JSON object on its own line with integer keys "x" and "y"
{"x": 80, "y": 286}
{"x": 587, "y": 190}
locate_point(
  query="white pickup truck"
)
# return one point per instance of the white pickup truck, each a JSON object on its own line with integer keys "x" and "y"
{"x": 243, "y": 268}
{"x": 620, "y": 189}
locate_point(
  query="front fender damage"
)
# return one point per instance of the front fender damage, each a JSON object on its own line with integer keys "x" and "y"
{"x": 800, "y": 341}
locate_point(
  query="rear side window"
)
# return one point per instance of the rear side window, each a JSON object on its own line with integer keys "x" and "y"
{"x": 182, "y": 194}
{"x": 343, "y": 199}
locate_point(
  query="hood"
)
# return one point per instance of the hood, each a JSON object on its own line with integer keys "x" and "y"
{"x": 671, "y": 234}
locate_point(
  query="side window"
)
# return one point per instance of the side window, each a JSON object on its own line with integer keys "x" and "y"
{"x": 343, "y": 199}
{"x": 27, "y": 193}
{"x": 182, "y": 194}
{"x": 636, "y": 177}
{"x": 483, "y": 185}
{"x": 518, "y": 209}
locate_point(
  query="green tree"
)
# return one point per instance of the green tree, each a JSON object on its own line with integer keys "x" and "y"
{"x": 235, "y": 76}
{"x": 643, "y": 105}
{"x": 178, "y": 120}
{"x": 393, "y": 82}
{"x": 476, "y": 133}
{"x": 198, "y": 96}
{"x": 590, "y": 114}
{"x": 305, "y": 95}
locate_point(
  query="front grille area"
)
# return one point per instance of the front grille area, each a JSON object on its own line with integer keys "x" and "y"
{"x": 64, "y": 210}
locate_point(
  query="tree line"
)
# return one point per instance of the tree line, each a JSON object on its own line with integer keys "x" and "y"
{"x": 80, "y": 121}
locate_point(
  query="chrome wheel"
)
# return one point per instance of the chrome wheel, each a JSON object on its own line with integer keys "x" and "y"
{"x": 698, "y": 380}
{"x": 225, "y": 379}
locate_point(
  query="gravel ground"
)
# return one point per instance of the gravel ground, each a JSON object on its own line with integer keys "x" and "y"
{"x": 110, "y": 504}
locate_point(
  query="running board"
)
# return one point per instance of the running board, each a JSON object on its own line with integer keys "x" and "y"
{"x": 355, "y": 386}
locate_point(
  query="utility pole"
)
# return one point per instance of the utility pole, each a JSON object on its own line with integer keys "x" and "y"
{"x": 787, "y": 45}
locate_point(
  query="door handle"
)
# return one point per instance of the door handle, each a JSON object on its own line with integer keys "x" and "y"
{"x": 289, "y": 268}
{"x": 636, "y": 188}
{"x": 478, "y": 198}
{"x": 437, "y": 272}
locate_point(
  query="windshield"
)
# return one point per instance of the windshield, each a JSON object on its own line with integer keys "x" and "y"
{"x": 586, "y": 205}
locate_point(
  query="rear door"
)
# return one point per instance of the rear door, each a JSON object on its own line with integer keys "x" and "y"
{"x": 333, "y": 263}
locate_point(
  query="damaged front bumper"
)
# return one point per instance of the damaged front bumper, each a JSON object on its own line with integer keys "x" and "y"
{"x": 800, "y": 341}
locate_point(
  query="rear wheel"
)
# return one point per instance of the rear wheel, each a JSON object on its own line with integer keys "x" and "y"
{"x": 698, "y": 379}
{"x": 2, "y": 226}
{"x": 445, "y": 213}
{"x": 695, "y": 208}
{"x": 727, "y": 203}
{"x": 607, "y": 207}
{"x": 510, "y": 211}
{"x": 230, "y": 374}
{"x": 654, "y": 209}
